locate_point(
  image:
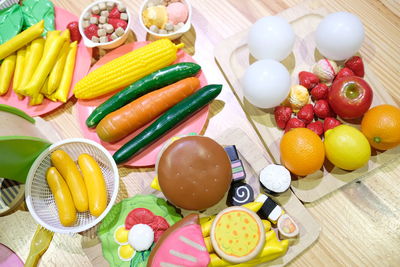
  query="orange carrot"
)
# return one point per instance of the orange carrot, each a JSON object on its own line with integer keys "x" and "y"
{"x": 139, "y": 112}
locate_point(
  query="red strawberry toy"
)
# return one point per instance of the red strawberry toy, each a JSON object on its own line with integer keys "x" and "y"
{"x": 320, "y": 91}
{"x": 330, "y": 123}
{"x": 356, "y": 65}
{"x": 317, "y": 127}
{"x": 322, "y": 109}
{"x": 344, "y": 72}
{"x": 306, "y": 113}
{"x": 114, "y": 13}
{"x": 74, "y": 31}
{"x": 308, "y": 80}
{"x": 294, "y": 123}
{"x": 91, "y": 31}
{"x": 118, "y": 23}
{"x": 282, "y": 116}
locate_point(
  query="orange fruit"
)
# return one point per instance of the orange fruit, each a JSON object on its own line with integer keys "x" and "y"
{"x": 302, "y": 151}
{"x": 381, "y": 126}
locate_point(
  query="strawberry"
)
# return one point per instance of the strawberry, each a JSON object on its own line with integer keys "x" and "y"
{"x": 114, "y": 13}
{"x": 282, "y": 115}
{"x": 294, "y": 123}
{"x": 306, "y": 113}
{"x": 74, "y": 31}
{"x": 308, "y": 79}
{"x": 317, "y": 127}
{"x": 322, "y": 109}
{"x": 356, "y": 65}
{"x": 320, "y": 91}
{"x": 330, "y": 123}
{"x": 118, "y": 23}
{"x": 91, "y": 31}
{"x": 344, "y": 73}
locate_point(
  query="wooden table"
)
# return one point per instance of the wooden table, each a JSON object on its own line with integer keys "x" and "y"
{"x": 360, "y": 222}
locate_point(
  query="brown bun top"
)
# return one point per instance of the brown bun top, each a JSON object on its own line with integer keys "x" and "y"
{"x": 194, "y": 172}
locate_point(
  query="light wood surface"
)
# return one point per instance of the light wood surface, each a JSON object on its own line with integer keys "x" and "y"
{"x": 360, "y": 222}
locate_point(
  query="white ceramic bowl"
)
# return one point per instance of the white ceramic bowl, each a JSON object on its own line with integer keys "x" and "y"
{"x": 40, "y": 200}
{"x": 171, "y": 36}
{"x": 109, "y": 45}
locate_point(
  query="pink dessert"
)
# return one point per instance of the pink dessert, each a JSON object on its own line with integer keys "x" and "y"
{"x": 177, "y": 12}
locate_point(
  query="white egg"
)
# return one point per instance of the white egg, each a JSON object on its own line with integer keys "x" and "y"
{"x": 271, "y": 37}
{"x": 266, "y": 83}
{"x": 141, "y": 237}
{"x": 339, "y": 35}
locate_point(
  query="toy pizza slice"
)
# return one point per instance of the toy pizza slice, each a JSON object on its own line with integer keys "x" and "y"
{"x": 181, "y": 245}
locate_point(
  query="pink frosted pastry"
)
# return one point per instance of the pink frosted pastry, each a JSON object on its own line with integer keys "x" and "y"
{"x": 177, "y": 12}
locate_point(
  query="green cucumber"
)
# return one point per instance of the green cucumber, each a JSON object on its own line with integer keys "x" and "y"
{"x": 168, "y": 121}
{"x": 151, "y": 82}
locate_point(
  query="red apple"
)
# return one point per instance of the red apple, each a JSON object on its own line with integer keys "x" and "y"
{"x": 350, "y": 97}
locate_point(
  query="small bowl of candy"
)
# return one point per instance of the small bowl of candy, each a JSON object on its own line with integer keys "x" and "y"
{"x": 166, "y": 18}
{"x": 105, "y": 24}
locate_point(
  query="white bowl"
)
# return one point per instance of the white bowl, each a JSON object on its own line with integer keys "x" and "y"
{"x": 40, "y": 200}
{"x": 109, "y": 45}
{"x": 171, "y": 36}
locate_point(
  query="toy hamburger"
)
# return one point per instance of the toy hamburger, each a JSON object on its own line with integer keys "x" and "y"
{"x": 194, "y": 172}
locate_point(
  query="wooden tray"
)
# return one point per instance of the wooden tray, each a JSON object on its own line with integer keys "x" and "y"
{"x": 233, "y": 58}
{"x": 254, "y": 160}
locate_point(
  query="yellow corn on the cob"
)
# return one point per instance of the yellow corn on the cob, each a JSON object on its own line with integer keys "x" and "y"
{"x": 127, "y": 69}
{"x": 21, "y": 39}
{"x": 6, "y": 73}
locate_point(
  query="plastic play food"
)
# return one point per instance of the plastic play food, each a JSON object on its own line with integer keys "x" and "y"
{"x": 32, "y": 60}
{"x": 177, "y": 12}
{"x": 269, "y": 209}
{"x": 68, "y": 169}
{"x": 238, "y": 171}
{"x": 167, "y": 121}
{"x": 266, "y": 83}
{"x": 104, "y": 22}
{"x": 165, "y": 17}
{"x": 127, "y": 69}
{"x": 151, "y": 82}
{"x": 198, "y": 168}
{"x": 19, "y": 70}
{"x": 45, "y": 65}
{"x": 350, "y": 97}
{"x": 339, "y": 35}
{"x": 6, "y": 71}
{"x": 346, "y": 147}
{"x": 302, "y": 151}
{"x": 67, "y": 74}
{"x": 239, "y": 194}
{"x": 21, "y": 39}
{"x": 181, "y": 244}
{"x": 155, "y": 15}
{"x": 298, "y": 97}
{"x": 117, "y": 236}
{"x": 57, "y": 70}
{"x": 141, "y": 111}
{"x": 287, "y": 227}
{"x": 326, "y": 70}
{"x": 271, "y": 37}
{"x": 237, "y": 234}
{"x": 381, "y": 126}
{"x": 275, "y": 179}
{"x": 95, "y": 184}
{"x": 62, "y": 195}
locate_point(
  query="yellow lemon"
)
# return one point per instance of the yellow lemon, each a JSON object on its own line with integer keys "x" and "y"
{"x": 346, "y": 147}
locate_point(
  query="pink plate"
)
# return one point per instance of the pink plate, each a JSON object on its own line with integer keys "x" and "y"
{"x": 148, "y": 156}
{"x": 82, "y": 65}
{"x": 9, "y": 258}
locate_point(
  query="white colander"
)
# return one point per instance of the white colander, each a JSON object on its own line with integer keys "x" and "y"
{"x": 40, "y": 200}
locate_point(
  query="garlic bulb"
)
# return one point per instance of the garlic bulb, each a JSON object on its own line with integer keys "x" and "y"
{"x": 326, "y": 70}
